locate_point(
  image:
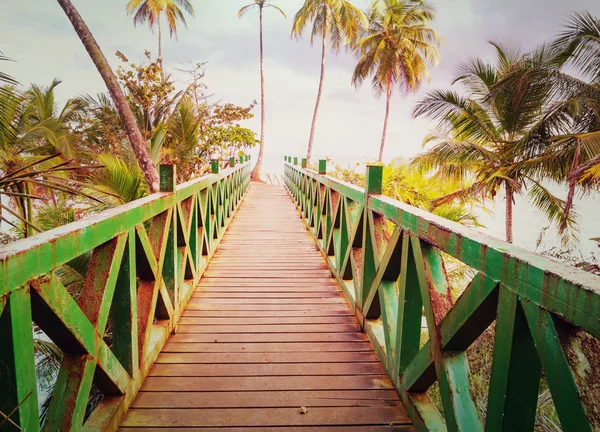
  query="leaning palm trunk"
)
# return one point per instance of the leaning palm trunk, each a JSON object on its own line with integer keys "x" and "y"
{"x": 314, "y": 120}
{"x": 256, "y": 171}
{"x": 139, "y": 146}
{"x": 509, "y": 213}
{"x": 385, "y": 122}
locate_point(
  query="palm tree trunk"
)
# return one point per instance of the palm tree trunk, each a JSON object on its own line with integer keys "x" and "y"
{"x": 29, "y": 210}
{"x": 255, "y": 175}
{"x": 139, "y": 146}
{"x": 570, "y": 196}
{"x": 578, "y": 172}
{"x": 385, "y": 122}
{"x": 314, "y": 120}
{"x": 509, "y": 213}
{"x": 159, "y": 38}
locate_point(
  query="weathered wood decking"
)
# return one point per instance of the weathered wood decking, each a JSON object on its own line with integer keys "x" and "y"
{"x": 266, "y": 333}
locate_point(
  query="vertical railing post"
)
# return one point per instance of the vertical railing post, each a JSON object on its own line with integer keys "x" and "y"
{"x": 168, "y": 178}
{"x": 373, "y": 186}
{"x": 323, "y": 166}
{"x": 17, "y": 362}
{"x": 295, "y": 160}
{"x": 231, "y": 162}
{"x": 303, "y": 163}
{"x": 214, "y": 166}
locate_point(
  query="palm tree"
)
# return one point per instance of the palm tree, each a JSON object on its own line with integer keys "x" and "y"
{"x": 47, "y": 128}
{"x": 573, "y": 149}
{"x": 7, "y": 104}
{"x": 151, "y": 10}
{"x": 139, "y": 146}
{"x": 338, "y": 20}
{"x": 395, "y": 50}
{"x": 260, "y": 4}
{"x": 579, "y": 45}
{"x": 37, "y": 143}
{"x": 492, "y": 136}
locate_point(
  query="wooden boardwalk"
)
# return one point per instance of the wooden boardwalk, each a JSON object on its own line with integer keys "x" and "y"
{"x": 267, "y": 341}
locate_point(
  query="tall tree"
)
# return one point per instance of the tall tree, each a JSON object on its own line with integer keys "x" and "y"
{"x": 139, "y": 146}
{"x": 568, "y": 133}
{"x": 395, "y": 50}
{"x": 493, "y": 136}
{"x": 150, "y": 11}
{"x": 260, "y": 4}
{"x": 579, "y": 45}
{"x": 338, "y": 20}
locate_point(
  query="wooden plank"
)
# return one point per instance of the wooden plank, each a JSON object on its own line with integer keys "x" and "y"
{"x": 369, "y": 428}
{"x": 307, "y": 289}
{"x": 256, "y": 417}
{"x": 265, "y": 369}
{"x": 274, "y": 338}
{"x": 264, "y": 347}
{"x": 199, "y": 300}
{"x": 269, "y": 328}
{"x": 266, "y": 314}
{"x": 257, "y": 399}
{"x": 262, "y": 357}
{"x": 270, "y": 294}
{"x": 302, "y": 320}
{"x": 269, "y": 274}
{"x": 349, "y": 382}
{"x": 268, "y": 307}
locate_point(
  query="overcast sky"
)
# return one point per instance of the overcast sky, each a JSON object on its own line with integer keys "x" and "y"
{"x": 38, "y": 36}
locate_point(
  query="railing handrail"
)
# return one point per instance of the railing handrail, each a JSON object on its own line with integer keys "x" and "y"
{"x": 395, "y": 275}
{"x": 11, "y": 267}
{"x": 145, "y": 259}
{"x": 382, "y": 204}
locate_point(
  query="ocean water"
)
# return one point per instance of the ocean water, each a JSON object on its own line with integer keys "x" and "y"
{"x": 528, "y": 222}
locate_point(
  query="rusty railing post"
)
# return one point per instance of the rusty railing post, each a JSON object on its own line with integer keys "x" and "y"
{"x": 323, "y": 166}
{"x": 373, "y": 186}
{"x": 168, "y": 180}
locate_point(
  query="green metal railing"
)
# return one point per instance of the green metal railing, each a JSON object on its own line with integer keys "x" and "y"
{"x": 390, "y": 259}
{"x": 145, "y": 258}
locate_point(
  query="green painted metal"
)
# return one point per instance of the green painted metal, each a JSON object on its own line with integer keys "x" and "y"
{"x": 146, "y": 257}
{"x": 389, "y": 259}
{"x": 214, "y": 166}
{"x": 231, "y": 162}
{"x": 322, "y": 166}
{"x": 303, "y": 163}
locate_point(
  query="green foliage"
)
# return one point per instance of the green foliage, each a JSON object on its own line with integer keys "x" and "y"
{"x": 230, "y": 140}
{"x": 119, "y": 181}
{"x": 407, "y": 184}
{"x": 151, "y": 94}
{"x": 497, "y": 134}
{"x": 397, "y": 46}
{"x": 337, "y": 20}
{"x": 54, "y": 215}
{"x": 182, "y": 126}
{"x": 261, "y": 4}
{"x": 150, "y": 11}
